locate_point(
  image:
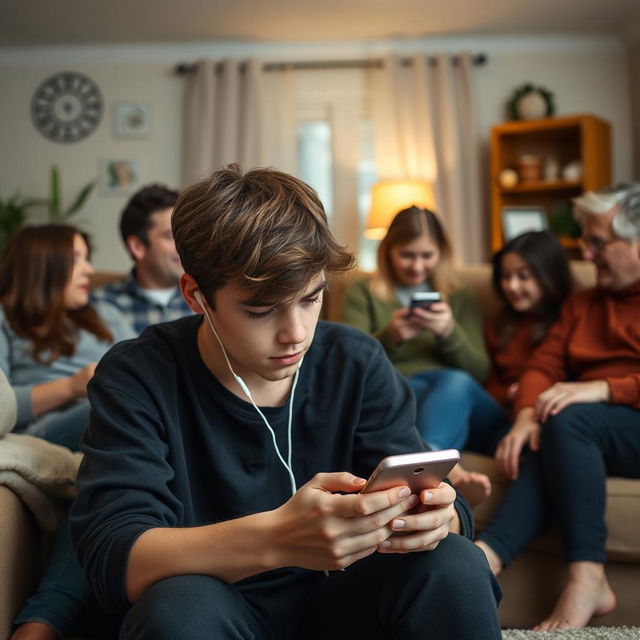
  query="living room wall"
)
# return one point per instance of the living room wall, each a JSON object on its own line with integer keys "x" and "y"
{"x": 634, "y": 85}
{"x": 585, "y": 74}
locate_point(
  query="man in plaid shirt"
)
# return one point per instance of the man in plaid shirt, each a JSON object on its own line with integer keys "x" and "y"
{"x": 150, "y": 293}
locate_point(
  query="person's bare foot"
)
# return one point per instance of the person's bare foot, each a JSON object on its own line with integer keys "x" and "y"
{"x": 34, "y": 631}
{"x": 586, "y": 594}
{"x": 473, "y": 485}
{"x": 495, "y": 564}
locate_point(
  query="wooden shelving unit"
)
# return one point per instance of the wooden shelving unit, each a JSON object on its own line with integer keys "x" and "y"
{"x": 583, "y": 137}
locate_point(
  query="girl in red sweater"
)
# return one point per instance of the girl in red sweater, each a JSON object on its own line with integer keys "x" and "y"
{"x": 531, "y": 276}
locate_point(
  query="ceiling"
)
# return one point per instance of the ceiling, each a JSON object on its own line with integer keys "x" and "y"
{"x": 69, "y": 22}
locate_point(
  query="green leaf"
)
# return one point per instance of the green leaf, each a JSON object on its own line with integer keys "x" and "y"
{"x": 54, "y": 194}
{"x": 81, "y": 198}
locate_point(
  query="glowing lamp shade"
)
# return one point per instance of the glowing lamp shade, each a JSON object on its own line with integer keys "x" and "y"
{"x": 388, "y": 197}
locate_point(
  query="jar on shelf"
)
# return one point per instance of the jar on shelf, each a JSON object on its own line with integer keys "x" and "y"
{"x": 529, "y": 167}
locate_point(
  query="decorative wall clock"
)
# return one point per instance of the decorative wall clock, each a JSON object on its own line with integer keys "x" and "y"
{"x": 67, "y": 107}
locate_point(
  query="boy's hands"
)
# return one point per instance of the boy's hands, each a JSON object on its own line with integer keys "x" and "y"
{"x": 321, "y": 529}
{"x": 427, "y": 525}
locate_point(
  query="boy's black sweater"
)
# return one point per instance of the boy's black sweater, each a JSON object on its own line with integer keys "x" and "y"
{"x": 169, "y": 446}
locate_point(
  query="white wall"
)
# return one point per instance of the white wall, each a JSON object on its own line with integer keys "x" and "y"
{"x": 587, "y": 75}
{"x": 634, "y": 84}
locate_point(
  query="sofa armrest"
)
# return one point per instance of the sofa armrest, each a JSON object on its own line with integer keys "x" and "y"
{"x": 22, "y": 553}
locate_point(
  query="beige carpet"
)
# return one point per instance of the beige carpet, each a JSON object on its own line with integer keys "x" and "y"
{"x": 589, "y": 633}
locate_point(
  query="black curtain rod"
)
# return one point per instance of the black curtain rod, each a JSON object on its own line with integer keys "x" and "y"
{"x": 183, "y": 68}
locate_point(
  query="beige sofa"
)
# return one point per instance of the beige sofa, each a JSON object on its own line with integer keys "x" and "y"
{"x": 530, "y": 585}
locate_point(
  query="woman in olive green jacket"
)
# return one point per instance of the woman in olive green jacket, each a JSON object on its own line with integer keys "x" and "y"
{"x": 440, "y": 349}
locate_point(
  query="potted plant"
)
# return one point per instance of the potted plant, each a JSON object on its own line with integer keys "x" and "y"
{"x": 57, "y": 213}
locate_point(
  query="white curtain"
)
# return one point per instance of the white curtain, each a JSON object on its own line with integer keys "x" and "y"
{"x": 239, "y": 113}
{"x": 425, "y": 127}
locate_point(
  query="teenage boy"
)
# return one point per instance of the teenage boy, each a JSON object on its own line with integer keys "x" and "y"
{"x": 219, "y": 494}
{"x": 150, "y": 293}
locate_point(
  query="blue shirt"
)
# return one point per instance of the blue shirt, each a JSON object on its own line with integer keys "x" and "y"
{"x": 137, "y": 306}
{"x": 23, "y": 372}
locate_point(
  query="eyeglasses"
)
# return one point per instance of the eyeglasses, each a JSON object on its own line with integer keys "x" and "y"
{"x": 595, "y": 244}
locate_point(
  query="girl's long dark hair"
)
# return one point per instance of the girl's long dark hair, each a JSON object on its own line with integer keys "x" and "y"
{"x": 549, "y": 265}
{"x": 35, "y": 269}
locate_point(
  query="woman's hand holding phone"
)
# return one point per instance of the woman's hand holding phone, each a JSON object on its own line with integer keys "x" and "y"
{"x": 438, "y": 319}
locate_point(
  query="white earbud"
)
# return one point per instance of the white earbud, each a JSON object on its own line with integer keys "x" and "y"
{"x": 245, "y": 389}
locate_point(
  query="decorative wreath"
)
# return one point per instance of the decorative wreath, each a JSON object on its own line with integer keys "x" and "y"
{"x": 521, "y": 92}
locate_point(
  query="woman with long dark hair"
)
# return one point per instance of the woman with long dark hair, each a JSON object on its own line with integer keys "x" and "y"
{"x": 50, "y": 341}
{"x": 50, "y": 337}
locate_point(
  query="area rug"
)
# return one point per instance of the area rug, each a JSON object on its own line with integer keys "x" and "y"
{"x": 588, "y": 633}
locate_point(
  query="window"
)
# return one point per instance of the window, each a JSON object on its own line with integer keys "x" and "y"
{"x": 335, "y": 152}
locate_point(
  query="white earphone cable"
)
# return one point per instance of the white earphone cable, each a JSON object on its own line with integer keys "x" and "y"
{"x": 247, "y": 392}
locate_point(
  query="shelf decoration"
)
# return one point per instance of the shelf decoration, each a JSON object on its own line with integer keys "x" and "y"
{"x": 508, "y": 178}
{"x": 572, "y": 171}
{"x": 519, "y": 220}
{"x": 562, "y": 221}
{"x": 529, "y": 102}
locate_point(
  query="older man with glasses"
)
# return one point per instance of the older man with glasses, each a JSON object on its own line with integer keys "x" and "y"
{"x": 577, "y": 414}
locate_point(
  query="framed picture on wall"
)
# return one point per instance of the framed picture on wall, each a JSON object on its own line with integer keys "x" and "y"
{"x": 130, "y": 120}
{"x": 519, "y": 220}
{"x": 118, "y": 175}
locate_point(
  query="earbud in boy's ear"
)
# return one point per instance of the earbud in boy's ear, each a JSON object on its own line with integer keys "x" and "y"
{"x": 198, "y": 296}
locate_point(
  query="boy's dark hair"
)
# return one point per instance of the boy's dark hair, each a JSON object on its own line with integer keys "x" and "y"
{"x": 135, "y": 219}
{"x": 264, "y": 231}
{"x": 548, "y": 262}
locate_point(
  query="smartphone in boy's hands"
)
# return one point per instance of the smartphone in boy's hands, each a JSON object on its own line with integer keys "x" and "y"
{"x": 424, "y": 299}
{"x": 419, "y": 471}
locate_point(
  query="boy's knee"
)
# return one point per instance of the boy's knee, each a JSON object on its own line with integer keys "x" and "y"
{"x": 461, "y": 577}
{"x": 189, "y": 607}
{"x": 458, "y": 561}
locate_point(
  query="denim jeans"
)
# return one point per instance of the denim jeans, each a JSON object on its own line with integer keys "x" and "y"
{"x": 454, "y": 411}
{"x": 68, "y": 427}
{"x": 62, "y": 593}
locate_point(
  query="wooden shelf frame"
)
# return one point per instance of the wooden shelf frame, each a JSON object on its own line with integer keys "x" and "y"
{"x": 581, "y": 137}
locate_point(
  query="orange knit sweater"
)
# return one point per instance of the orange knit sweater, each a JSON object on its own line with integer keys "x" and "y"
{"x": 508, "y": 361}
{"x": 597, "y": 337}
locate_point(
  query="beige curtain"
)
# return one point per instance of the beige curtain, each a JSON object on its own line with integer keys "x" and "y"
{"x": 237, "y": 113}
{"x": 425, "y": 127}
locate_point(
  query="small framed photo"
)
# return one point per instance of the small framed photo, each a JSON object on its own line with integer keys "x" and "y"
{"x": 130, "y": 120}
{"x": 118, "y": 176}
{"x": 519, "y": 220}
